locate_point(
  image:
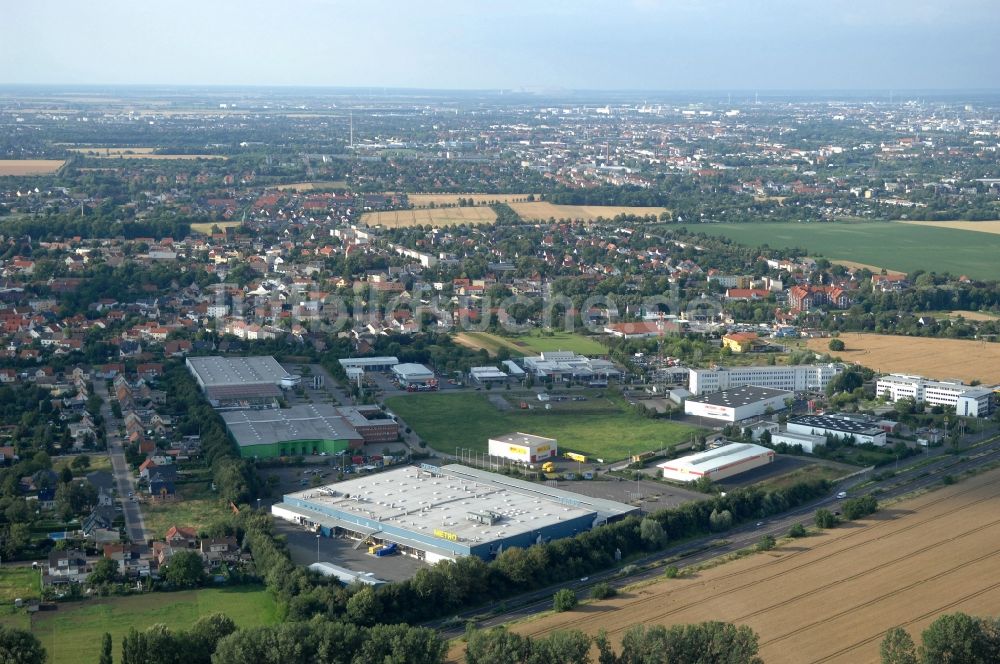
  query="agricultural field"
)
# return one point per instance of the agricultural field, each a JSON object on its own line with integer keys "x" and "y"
{"x": 602, "y": 427}
{"x": 167, "y": 157}
{"x": 929, "y": 357}
{"x": 531, "y": 344}
{"x": 424, "y": 200}
{"x": 72, "y": 633}
{"x": 877, "y": 269}
{"x": 29, "y": 166}
{"x": 977, "y": 226}
{"x": 543, "y": 211}
{"x": 205, "y": 228}
{"x": 830, "y": 597}
{"x": 453, "y": 216}
{"x": 895, "y": 246}
{"x": 102, "y": 151}
{"x": 313, "y": 186}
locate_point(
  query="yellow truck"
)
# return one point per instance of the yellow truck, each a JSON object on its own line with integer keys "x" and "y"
{"x": 548, "y": 467}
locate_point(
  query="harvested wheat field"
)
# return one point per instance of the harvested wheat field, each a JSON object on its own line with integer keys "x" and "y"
{"x": 831, "y": 597}
{"x": 423, "y": 200}
{"x": 932, "y": 358}
{"x": 542, "y": 211}
{"x": 973, "y": 315}
{"x": 29, "y": 166}
{"x": 977, "y": 226}
{"x": 313, "y": 186}
{"x": 430, "y": 217}
{"x": 159, "y": 157}
{"x": 854, "y": 265}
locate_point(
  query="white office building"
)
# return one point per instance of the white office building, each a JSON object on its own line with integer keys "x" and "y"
{"x": 797, "y": 378}
{"x": 967, "y": 400}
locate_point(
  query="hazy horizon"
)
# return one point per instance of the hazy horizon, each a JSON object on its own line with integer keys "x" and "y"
{"x": 592, "y": 45}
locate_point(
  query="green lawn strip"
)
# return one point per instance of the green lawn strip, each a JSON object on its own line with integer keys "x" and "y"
{"x": 72, "y": 633}
{"x": 18, "y": 582}
{"x": 812, "y": 472}
{"x": 598, "y": 427}
{"x": 538, "y": 342}
{"x": 893, "y": 246}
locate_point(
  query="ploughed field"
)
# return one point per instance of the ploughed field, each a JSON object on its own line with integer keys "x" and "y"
{"x": 830, "y": 597}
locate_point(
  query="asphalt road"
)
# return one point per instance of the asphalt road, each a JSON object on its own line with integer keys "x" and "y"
{"x": 135, "y": 527}
{"x": 703, "y": 549}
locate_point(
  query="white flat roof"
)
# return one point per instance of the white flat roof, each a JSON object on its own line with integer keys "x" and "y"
{"x": 217, "y": 370}
{"x": 416, "y": 500}
{"x": 411, "y": 370}
{"x": 487, "y": 372}
{"x": 527, "y": 439}
{"x": 368, "y": 361}
{"x": 318, "y": 421}
{"x": 713, "y": 460}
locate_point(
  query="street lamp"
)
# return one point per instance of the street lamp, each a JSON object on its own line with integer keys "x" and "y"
{"x": 317, "y": 546}
{"x": 258, "y": 504}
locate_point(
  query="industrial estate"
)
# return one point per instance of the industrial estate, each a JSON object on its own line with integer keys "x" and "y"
{"x": 315, "y": 376}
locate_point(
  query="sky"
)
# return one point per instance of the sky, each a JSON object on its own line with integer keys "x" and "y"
{"x": 507, "y": 44}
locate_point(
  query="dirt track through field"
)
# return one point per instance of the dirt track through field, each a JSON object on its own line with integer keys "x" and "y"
{"x": 831, "y": 597}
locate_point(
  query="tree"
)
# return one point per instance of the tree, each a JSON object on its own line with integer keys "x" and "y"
{"x": 825, "y": 519}
{"x": 719, "y": 521}
{"x": 18, "y": 646}
{"x": 564, "y": 600}
{"x": 602, "y": 591}
{"x": 898, "y": 648}
{"x": 716, "y": 642}
{"x": 652, "y": 533}
{"x": 957, "y": 638}
{"x": 861, "y": 506}
{"x": 561, "y": 647}
{"x": 766, "y": 543}
{"x": 106, "y": 646}
{"x": 836, "y": 345}
{"x": 496, "y": 646}
{"x": 797, "y": 530}
{"x": 185, "y": 570}
{"x": 134, "y": 650}
{"x": 105, "y": 571}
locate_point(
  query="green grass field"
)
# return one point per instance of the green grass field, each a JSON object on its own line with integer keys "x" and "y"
{"x": 604, "y": 428}
{"x": 18, "y": 582}
{"x": 535, "y": 343}
{"x": 198, "y": 506}
{"x": 893, "y": 246}
{"x": 72, "y": 633}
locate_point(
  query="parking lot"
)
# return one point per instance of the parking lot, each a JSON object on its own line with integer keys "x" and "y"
{"x": 302, "y": 547}
{"x": 651, "y": 496}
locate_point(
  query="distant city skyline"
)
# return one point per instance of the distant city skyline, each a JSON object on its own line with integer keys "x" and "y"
{"x": 651, "y": 45}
